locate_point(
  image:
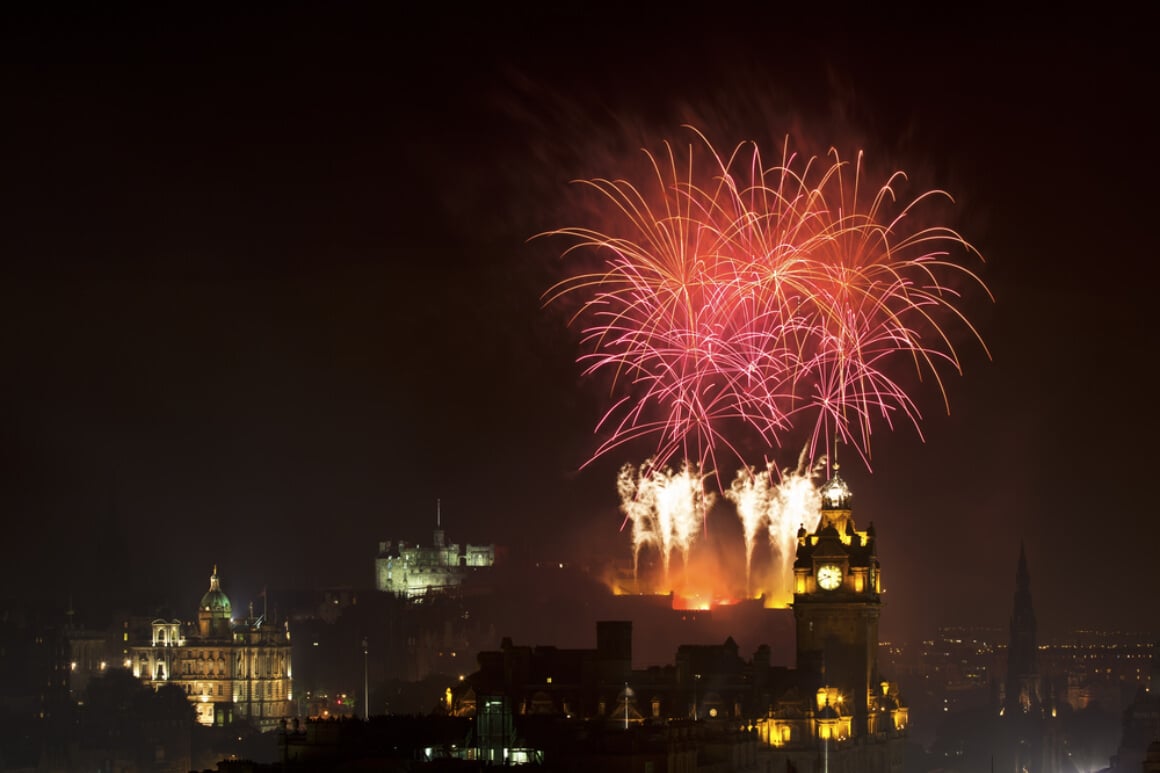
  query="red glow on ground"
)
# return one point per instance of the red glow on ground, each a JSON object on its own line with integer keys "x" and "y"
{"x": 704, "y": 590}
{"x": 711, "y": 576}
{"x": 700, "y": 602}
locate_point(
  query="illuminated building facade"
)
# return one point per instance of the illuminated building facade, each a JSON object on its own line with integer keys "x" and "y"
{"x": 839, "y": 703}
{"x": 230, "y": 670}
{"x": 413, "y": 571}
{"x": 830, "y": 713}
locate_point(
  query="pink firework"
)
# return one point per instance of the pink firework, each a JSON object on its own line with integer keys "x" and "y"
{"x": 734, "y": 295}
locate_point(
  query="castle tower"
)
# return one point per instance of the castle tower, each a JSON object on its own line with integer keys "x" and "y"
{"x": 1021, "y": 695}
{"x": 836, "y": 603}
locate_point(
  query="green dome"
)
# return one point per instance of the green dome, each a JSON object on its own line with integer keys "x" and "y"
{"x": 215, "y": 600}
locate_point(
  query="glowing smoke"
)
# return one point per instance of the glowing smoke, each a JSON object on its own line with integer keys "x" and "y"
{"x": 781, "y": 506}
{"x": 666, "y": 509}
{"x": 667, "y": 512}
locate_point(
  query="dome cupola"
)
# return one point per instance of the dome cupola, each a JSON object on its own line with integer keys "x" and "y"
{"x": 213, "y": 613}
{"x": 215, "y": 600}
{"x": 835, "y": 493}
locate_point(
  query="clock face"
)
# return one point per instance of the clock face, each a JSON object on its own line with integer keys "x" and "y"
{"x": 829, "y": 576}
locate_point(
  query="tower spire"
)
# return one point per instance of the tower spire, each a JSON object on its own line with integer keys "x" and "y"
{"x": 439, "y": 523}
{"x": 1022, "y": 576}
{"x": 834, "y": 463}
{"x": 1022, "y": 685}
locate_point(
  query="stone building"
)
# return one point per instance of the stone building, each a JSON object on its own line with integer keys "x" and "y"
{"x": 836, "y": 701}
{"x": 1139, "y": 746}
{"x": 414, "y": 571}
{"x": 231, "y": 670}
{"x": 832, "y": 712}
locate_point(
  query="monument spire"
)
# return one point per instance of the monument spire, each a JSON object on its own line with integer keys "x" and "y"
{"x": 1022, "y": 688}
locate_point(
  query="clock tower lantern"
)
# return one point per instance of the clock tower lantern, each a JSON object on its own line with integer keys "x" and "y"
{"x": 836, "y": 603}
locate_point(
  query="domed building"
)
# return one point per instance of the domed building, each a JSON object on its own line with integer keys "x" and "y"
{"x": 213, "y": 613}
{"x": 230, "y": 670}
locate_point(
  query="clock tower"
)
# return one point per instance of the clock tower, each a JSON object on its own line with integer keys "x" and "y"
{"x": 836, "y": 603}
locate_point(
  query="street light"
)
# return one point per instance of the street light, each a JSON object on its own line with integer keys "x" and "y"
{"x": 696, "y": 679}
{"x": 366, "y": 683}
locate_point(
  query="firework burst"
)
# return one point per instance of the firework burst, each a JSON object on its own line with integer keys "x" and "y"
{"x": 666, "y": 509}
{"x": 738, "y": 303}
{"x": 778, "y": 503}
{"x": 739, "y": 297}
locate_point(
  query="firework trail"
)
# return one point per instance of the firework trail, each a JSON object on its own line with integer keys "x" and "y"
{"x": 666, "y": 509}
{"x": 735, "y": 296}
{"x": 750, "y": 494}
{"x": 738, "y": 303}
{"x": 779, "y": 503}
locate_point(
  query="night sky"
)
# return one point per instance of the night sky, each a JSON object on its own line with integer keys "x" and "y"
{"x": 269, "y": 293}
